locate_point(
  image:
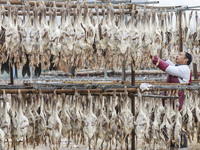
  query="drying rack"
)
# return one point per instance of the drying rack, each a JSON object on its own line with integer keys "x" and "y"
{"x": 105, "y": 90}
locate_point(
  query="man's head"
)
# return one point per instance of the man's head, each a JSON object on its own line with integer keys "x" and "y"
{"x": 183, "y": 58}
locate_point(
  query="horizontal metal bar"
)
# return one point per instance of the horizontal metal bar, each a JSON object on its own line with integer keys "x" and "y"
{"x": 180, "y": 87}
{"x": 73, "y": 5}
{"x": 148, "y": 2}
{"x": 193, "y": 7}
{"x": 20, "y": 13}
{"x": 15, "y": 87}
{"x": 125, "y": 2}
{"x": 105, "y": 86}
{"x": 81, "y": 86}
{"x": 159, "y": 7}
{"x": 158, "y": 96}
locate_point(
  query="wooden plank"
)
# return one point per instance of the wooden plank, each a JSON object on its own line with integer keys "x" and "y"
{"x": 106, "y": 89}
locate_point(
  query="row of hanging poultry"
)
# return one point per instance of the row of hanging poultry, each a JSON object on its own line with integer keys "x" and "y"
{"x": 36, "y": 119}
{"x": 39, "y": 41}
{"x": 166, "y": 123}
{"x": 46, "y": 118}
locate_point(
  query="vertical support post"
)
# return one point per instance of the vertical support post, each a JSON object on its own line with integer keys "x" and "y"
{"x": 124, "y": 67}
{"x": 133, "y": 103}
{"x": 11, "y": 76}
{"x": 162, "y": 34}
{"x": 180, "y": 32}
{"x": 124, "y": 70}
{"x": 105, "y": 73}
{"x": 124, "y": 79}
{"x": 16, "y": 72}
{"x": 195, "y": 71}
{"x": 133, "y": 98}
{"x": 133, "y": 74}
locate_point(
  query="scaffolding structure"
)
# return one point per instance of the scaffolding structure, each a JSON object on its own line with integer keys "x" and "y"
{"x": 100, "y": 88}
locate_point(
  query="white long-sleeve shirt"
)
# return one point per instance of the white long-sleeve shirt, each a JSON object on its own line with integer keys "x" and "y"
{"x": 181, "y": 71}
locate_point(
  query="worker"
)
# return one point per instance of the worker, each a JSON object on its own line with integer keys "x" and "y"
{"x": 177, "y": 73}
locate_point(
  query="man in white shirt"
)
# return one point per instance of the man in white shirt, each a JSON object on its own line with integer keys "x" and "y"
{"x": 177, "y": 73}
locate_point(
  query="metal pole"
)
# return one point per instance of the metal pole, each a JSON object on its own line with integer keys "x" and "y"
{"x": 124, "y": 67}
{"x": 16, "y": 71}
{"x": 124, "y": 79}
{"x": 105, "y": 72}
{"x": 133, "y": 98}
{"x": 99, "y": 4}
{"x": 11, "y": 75}
{"x": 195, "y": 71}
{"x": 133, "y": 103}
{"x": 123, "y": 71}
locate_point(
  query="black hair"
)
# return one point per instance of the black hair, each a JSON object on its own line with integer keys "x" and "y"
{"x": 189, "y": 57}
